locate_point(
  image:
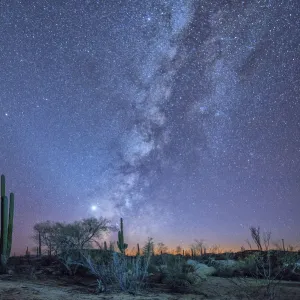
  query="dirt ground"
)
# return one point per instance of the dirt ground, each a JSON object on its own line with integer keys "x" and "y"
{"x": 16, "y": 288}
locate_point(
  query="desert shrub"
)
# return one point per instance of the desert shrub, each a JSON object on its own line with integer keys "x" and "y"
{"x": 204, "y": 258}
{"x": 290, "y": 265}
{"x": 178, "y": 275}
{"x": 152, "y": 268}
{"x": 261, "y": 265}
{"x": 72, "y": 259}
{"x": 227, "y": 268}
{"x": 15, "y": 260}
{"x": 179, "y": 284}
{"x": 249, "y": 264}
{"x": 173, "y": 261}
{"x": 69, "y": 260}
{"x": 102, "y": 271}
{"x": 224, "y": 271}
{"x": 130, "y": 274}
{"x": 177, "y": 264}
{"x": 158, "y": 260}
{"x": 46, "y": 261}
{"x": 99, "y": 255}
{"x": 188, "y": 268}
{"x": 224, "y": 256}
{"x": 290, "y": 259}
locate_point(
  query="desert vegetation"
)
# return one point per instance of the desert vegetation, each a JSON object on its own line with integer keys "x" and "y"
{"x": 79, "y": 256}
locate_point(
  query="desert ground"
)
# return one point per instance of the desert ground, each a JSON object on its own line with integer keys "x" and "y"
{"x": 13, "y": 287}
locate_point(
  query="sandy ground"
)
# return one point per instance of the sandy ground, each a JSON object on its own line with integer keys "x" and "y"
{"x": 214, "y": 288}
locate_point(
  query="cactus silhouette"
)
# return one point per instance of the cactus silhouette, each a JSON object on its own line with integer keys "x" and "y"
{"x": 121, "y": 245}
{"x": 7, "y": 218}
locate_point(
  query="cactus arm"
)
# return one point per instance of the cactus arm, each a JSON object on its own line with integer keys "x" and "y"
{"x": 2, "y": 185}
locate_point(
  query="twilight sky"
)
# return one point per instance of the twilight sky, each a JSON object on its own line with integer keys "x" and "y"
{"x": 183, "y": 117}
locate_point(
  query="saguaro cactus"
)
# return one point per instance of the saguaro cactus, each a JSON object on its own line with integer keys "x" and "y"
{"x": 121, "y": 245}
{"x": 7, "y": 218}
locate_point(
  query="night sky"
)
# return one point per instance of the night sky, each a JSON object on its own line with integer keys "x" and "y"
{"x": 183, "y": 117}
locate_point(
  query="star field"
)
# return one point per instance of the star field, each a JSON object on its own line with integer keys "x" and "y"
{"x": 180, "y": 116}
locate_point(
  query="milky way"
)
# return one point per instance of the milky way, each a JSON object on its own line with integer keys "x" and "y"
{"x": 182, "y": 117}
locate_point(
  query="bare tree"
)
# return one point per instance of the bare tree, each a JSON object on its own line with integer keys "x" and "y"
{"x": 255, "y": 234}
{"x": 44, "y": 235}
{"x": 291, "y": 248}
{"x": 161, "y": 248}
{"x": 68, "y": 240}
{"x": 198, "y": 247}
{"x": 178, "y": 250}
{"x": 83, "y": 233}
{"x": 215, "y": 249}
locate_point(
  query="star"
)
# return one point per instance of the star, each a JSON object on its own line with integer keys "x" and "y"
{"x": 94, "y": 207}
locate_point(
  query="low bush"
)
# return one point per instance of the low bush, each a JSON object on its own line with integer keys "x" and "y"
{"x": 179, "y": 276}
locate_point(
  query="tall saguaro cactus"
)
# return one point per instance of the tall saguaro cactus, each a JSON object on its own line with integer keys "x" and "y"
{"x": 7, "y": 218}
{"x": 121, "y": 245}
